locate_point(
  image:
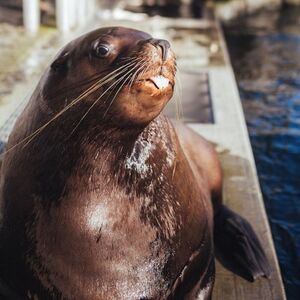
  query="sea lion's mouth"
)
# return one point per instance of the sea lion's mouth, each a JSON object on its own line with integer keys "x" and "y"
{"x": 160, "y": 82}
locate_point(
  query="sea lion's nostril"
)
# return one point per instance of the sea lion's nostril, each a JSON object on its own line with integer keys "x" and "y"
{"x": 163, "y": 44}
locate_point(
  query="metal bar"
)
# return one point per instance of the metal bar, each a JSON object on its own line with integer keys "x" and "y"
{"x": 31, "y": 15}
{"x": 82, "y": 12}
{"x": 62, "y": 16}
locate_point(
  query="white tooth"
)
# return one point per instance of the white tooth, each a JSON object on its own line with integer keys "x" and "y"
{"x": 160, "y": 81}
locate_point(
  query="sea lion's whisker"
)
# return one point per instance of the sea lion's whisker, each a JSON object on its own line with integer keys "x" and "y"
{"x": 136, "y": 73}
{"x": 129, "y": 74}
{"x": 146, "y": 69}
{"x": 134, "y": 54}
{"x": 96, "y": 101}
{"x": 126, "y": 58}
{"x": 178, "y": 96}
{"x": 90, "y": 90}
{"x": 72, "y": 87}
{"x": 104, "y": 80}
{"x": 113, "y": 72}
{"x": 122, "y": 77}
{"x": 72, "y": 104}
{"x": 97, "y": 85}
{"x": 143, "y": 64}
{"x": 95, "y": 77}
{"x": 131, "y": 80}
{"x": 119, "y": 89}
{"x": 127, "y": 79}
{"x": 177, "y": 103}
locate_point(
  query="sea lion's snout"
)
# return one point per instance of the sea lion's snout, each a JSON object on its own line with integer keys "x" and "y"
{"x": 157, "y": 78}
{"x": 163, "y": 44}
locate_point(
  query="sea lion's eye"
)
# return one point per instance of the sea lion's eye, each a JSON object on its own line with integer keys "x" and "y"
{"x": 102, "y": 50}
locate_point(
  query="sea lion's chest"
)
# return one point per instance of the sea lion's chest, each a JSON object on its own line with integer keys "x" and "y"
{"x": 140, "y": 229}
{"x": 147, "y": 201}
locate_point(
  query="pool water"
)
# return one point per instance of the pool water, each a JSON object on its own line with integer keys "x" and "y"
{"x": 265, "y": 53}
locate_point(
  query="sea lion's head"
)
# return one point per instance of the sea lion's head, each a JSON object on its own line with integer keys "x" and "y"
{"x": 118, "y": 73}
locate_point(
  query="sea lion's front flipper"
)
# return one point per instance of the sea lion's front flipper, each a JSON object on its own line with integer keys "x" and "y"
{"x": 238, "y": 247}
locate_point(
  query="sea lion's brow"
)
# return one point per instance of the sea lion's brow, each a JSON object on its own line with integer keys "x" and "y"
{"x": 104, "y": 35}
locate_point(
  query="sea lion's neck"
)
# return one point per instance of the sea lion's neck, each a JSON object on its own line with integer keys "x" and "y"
{"x": 128, "y": 142}
{"x": 135, "y": 162}
{"x": 153, "y": 147}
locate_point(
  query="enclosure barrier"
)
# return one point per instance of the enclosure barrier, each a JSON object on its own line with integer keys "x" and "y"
{"x": 69, "y": 14}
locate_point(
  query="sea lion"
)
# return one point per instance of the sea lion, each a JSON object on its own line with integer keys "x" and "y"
{"x": 102, "y": 197}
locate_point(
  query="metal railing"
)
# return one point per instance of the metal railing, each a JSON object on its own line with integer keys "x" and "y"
{"x": 69, "y": 14}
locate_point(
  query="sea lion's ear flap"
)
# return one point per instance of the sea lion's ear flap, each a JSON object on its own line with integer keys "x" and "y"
{"x": 61, "y": 61}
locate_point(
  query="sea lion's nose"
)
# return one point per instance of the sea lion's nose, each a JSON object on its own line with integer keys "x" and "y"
{"x": 163, "y": 44}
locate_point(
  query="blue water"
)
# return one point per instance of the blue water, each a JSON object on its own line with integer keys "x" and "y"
{"x": 265, "y": 52}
